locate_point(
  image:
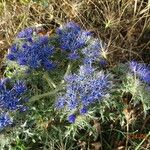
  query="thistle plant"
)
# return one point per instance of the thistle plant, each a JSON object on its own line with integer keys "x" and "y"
{"x": 11, "y": 100}
{"x": 141, "y": 70}
{"x": 5, "y": 120}
{"x": 72, "y": 39}
{"x": 84, "y": 90}
{"x": 32, "y": 50}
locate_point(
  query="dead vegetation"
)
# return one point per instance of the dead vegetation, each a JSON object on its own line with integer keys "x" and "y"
{"x": 123, "y": 25}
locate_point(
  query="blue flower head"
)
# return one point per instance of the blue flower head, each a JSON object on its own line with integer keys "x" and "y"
{"x": 60, "y": 103}
{"x": 26, "y": 34}
{"x": 10, "y": 96}
{"x": 103, "y": 63}
{"x": 141, "y": 70}
{"x": 20, "y": 87}
{"x": 11, "y": 99}
{"x": 93, "y": 52}
{"x": 5, "y": 120}
{"x": 84, "y": 89}
{"x": 36, "y": 54}
{"x": 72, "y": 38}
{"x": 72, "y": 118}
{"x": 83, "y": 110}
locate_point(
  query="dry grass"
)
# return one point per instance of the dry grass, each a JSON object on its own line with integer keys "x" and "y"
{"x": 121, "y": 24}
{"x": 124, "y": 25}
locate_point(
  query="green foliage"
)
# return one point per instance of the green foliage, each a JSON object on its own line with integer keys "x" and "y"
{"x": 46, "y": 128}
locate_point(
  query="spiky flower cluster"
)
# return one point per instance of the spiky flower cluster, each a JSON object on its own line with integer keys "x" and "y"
{"x": 83, "y": 89}
{"x": 36, "y": 51}
{"x": 93, "y": 52}
{"x": 11, "y": 100}
{"x": 26, "y": 34}
{"x": 5, "y": 120}
{"x": 141, "y": 70}
{"x": 32, "y": 50}
{"x": 72, "y": 38}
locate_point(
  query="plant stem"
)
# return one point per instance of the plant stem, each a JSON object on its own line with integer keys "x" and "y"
{"x": 51, "y": 84}
{"x": 127, "y": 139}
{"x": 37, "y": 97}
{"x": 49, "y": 80}
{"x": 67, "y": 71}
{"x": 138, "y": 147}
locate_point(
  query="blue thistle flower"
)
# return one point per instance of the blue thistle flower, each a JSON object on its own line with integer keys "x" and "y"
{"x": 72, "y": 118}
{"x": 60, "y": 103}
{"x": 5, "y": 120}
{"x": 48, "y": 65}
{"x": 141, "y": 70}
{"x": 11, "y": 57}
{"x": 26, "y": 34}
{"x": 20, "y": 87}
{"x": 83, "y": 110}
{"x": 10, "y": 97}
{"x": 35, "y": 55}
{"x": 72, "y": 101}
{"x": 86, "y": 69}
{"x": 84, "y": 89}
{"x": 73, "y": 56}
{"x": 103, "y": 63}
{"x": 93, "y": 52}
{"x": 72, "y": 38}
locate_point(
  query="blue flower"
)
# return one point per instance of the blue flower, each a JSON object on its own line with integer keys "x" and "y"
{"x": 86, "y": 69}
{"x": 72, "y": 38}
{"x": 83, "y": 110}
{"x": 93, "y": 51}
{"x": 60, "y": 103}
{"x": 73, "y": 56}
{"x": 10, "y": 97}
{"x": 72, "y": 101}
{"x": 103, "y": 63}
{"x": 35, "y": 55}
{"x": 11, "y": 56}
{"x": 14, "y": 48}
{"x": 26, "y": 34}
{"x": 5, "y": 120}
{"x": 20, "y": 87}
{"x": 141, "y": 70}
{"x": 48, "y": 65}
{"x": 72, "y": 118}
{"x": 84, "y": 89}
